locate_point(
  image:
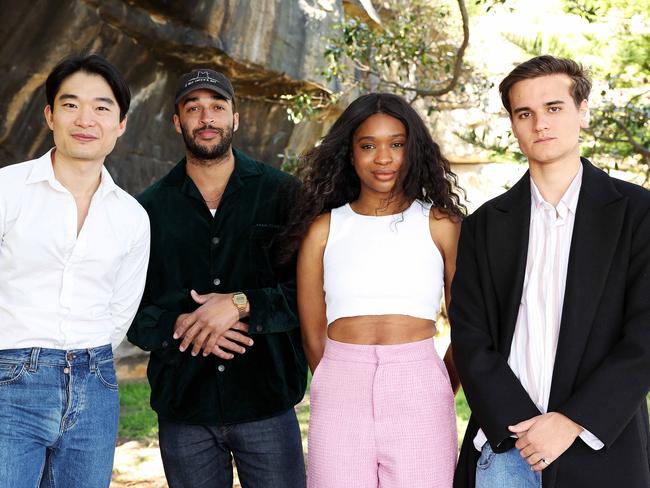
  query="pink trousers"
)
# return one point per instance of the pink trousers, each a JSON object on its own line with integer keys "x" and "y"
{"x": 381, "y": 416}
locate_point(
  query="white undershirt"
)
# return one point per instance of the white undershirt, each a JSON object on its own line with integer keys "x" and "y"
{"x": 534, "y": 343}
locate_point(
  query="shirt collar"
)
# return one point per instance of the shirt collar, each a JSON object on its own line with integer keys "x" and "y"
{"x": 568, "y": 202}
{"x": 42, "y": 170}
{"x": 107, "y": 184}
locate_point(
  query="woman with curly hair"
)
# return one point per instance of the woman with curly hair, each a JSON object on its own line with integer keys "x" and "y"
{"x": 381, "y": 218}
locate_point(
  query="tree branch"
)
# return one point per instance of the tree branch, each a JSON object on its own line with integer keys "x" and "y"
{"x": 458, "y": 64}
{"x": 630, "y": 137}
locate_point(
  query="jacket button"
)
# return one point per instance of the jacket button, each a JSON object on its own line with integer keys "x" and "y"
{"x": 259, "y": 328}
{"x": 215, "y": 240}
{"x": 165, "y": 344}
{"x": 216, "y": 282}
{"x": 221, "y": 368}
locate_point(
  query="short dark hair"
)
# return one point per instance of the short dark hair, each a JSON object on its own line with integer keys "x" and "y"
{"x": 93, "y": 64}
{"x": 544, "y": 66}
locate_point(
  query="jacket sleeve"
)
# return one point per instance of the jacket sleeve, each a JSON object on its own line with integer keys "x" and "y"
{"x": 153, "y": 326}
{"x": 494, "y": 393}
{"x": 608, "y": 399}
{"x": 273, "y": 310}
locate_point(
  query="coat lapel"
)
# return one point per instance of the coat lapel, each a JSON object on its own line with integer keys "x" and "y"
{"x": 507, "y": 231}
{"x": 598, "y": 223}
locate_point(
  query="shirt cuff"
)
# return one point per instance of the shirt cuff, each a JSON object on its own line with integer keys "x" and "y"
{"x": 591, "y": 440}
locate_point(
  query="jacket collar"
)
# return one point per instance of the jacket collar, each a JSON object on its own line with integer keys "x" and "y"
{"x": 596, "y": 230}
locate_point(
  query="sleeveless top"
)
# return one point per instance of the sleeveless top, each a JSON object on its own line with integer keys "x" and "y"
{"x": 382, "y": 265}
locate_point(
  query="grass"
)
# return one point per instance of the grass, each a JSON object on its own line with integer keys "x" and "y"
{"x": 139, "y": 422}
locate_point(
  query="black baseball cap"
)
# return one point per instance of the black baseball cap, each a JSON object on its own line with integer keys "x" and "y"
{"x": 204, "y": 79}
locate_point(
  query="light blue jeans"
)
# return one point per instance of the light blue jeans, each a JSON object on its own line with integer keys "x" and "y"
{"x": 58, "y": 417}
{"x": 505, "y": 470}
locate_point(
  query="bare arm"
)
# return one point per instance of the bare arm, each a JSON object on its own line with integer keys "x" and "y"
{"x": 311, "y": 296}
{"x": 444, "y": 232}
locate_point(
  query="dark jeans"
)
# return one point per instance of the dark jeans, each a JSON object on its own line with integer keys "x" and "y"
{"x": 268, "y": 454}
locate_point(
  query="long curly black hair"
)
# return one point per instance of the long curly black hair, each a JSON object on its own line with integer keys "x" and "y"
{"x": 330, "y": 180}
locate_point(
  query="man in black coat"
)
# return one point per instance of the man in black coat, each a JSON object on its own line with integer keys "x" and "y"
{"x": 550, "y": 307}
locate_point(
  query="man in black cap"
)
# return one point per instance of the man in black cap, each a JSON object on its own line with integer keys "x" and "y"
{"x": 218, "y": 314}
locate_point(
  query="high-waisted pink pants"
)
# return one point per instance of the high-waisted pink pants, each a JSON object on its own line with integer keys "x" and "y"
{"x": 381, "y": 416}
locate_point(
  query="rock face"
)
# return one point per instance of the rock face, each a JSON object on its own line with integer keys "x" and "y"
{"x": 267, "y": 47}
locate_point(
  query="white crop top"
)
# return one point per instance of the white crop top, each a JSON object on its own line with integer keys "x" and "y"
{"x": 382, "y": 265}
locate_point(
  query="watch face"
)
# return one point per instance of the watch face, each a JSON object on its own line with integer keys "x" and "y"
{"x": 239, "y": 299}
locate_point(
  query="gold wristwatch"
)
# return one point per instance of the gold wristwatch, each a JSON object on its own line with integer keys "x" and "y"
{"x": 240, "y": 301}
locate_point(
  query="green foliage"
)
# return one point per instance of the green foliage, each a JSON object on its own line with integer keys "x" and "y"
{"x": 398, "y": 55}
{"x": 483, "y": 6}
{"x": 620, "y": 124}
{"x": 500, "y": 146}
{"x": 621, "y": 131}
{"x": 403, "y": 54}
{"x": 305, "y": 105}
{"x": 137, "y": 420}
{"x": 290, "y": 163}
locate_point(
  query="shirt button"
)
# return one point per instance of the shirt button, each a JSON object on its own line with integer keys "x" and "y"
{"x": 216, "y": 282}
{"x": 215, "y": 240}
{"x": 221, "y": 368}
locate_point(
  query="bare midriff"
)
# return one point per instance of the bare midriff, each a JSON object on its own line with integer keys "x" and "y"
{"x": 381, "y": 329}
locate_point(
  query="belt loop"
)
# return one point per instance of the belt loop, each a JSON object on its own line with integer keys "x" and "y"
{"x": 33, "y": 360}
{"x": 92, "y": 361}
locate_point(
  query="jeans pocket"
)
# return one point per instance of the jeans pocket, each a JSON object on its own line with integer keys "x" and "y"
{"x": 487, "y": 455}
{"x": 10, "y": 372}
{"x": 105, "y": 371}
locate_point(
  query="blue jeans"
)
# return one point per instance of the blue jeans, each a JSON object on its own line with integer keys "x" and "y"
{"x": 268, "y": 454}
{"x": 505, "y": 470}
{"x": 58, "y": 417}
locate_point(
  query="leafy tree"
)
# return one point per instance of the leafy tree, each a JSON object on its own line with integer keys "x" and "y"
{"x": 415, "y": 48}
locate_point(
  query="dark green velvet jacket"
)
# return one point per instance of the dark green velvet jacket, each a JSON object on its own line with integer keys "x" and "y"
{"x": 233, "y": 251}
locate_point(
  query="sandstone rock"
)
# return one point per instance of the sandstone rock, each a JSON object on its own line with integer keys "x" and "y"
{"x": 267, "y": 47}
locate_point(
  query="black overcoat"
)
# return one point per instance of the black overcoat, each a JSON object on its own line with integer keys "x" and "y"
{"x": 602, "y": 367}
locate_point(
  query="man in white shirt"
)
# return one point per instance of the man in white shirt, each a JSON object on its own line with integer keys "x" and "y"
{"x": 550, "y": 307}
{"x": 74, "y": 249}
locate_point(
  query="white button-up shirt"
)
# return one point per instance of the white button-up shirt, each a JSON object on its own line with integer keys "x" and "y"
{"x": 59, "y": 290}
{"x": 537, "y": 330}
